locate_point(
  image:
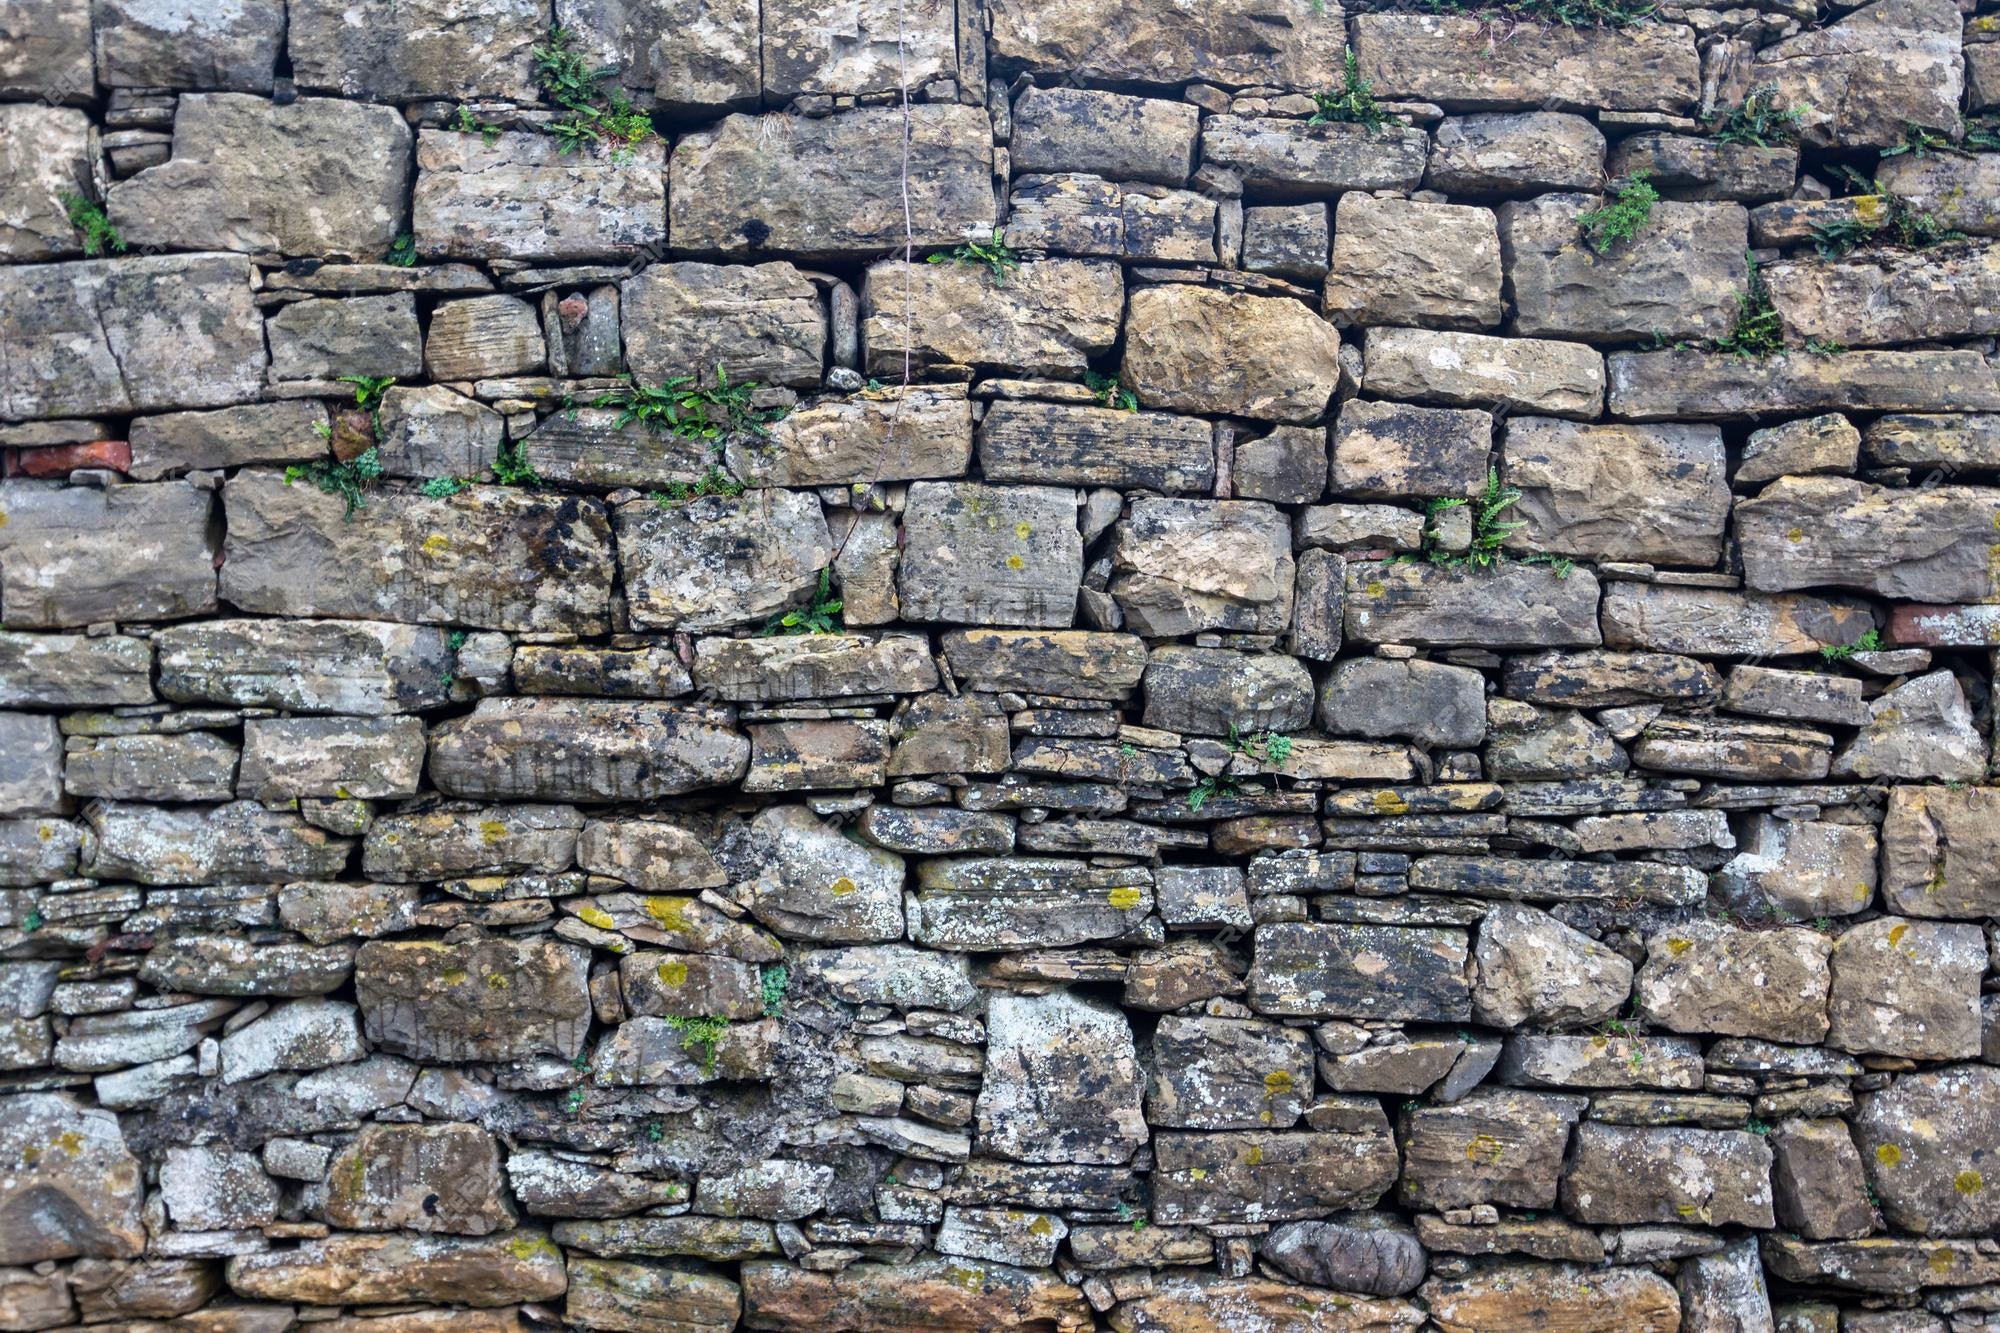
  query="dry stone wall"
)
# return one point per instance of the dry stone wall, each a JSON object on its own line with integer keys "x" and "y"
{"x": 672, "y": 665}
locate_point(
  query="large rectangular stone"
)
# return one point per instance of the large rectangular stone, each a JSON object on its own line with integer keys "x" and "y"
{"x": 1460, "y": 62}
{"x": 1890, "y": 296}
{"x": 1270, "y": 1177}
{"x": 1236, "y": 42}
{"x": 1559, "y": 881}
{"x": 881, "y": 436}
{"x": 813, "y": 666}
{"x": 1723, "y": 622}
{"x": 1513, "y": 606}
{"x": 137, "y": 334}
{"x": 1374, "y": 972}
{"x": 1930, "y": 544}
{"x": 758, "y": 322}
{"x": 363, "y": 667}
{"x": 1716, "y": 386}
{"x": 1075, "y": 664}
{"x": 982, "y": 905}
{"x": 585, "y": 750}
{"x": 73, "y": 555}
{"x": 488, "y": 556}
{"x": 721, "y": 560}
{"x": 74, "y": 671}
{"x": 336, "y": 758}
{"x": 176, "y": 442}
{"x": 1559, "y": 379}
{"x": 238, "y": 843}
{"x": 1670, "y": 1174}
{"x": 409, "y": 50}
{"x": 1095, "y": 446}
{"x": 1678, "y": 277}
{"x": 1047, "y": 317}
{"x": 521, "y": 197}
{"x": 990, "y": 554}
{"x": 832, "y": 187}
{"x": 1285, "y": 158}
{"x": 868, "y": 46}
{"x": 1657, "y": 494}
{"x": 240, "y": 162}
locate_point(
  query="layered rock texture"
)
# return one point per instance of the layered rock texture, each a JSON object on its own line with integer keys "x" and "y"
{"x": 930, "y": 667}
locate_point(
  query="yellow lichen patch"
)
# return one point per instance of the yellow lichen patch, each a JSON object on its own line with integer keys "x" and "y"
{"x": 1376, "y": 588}
{"x": 1795, "y": 535}
{"x": 1197, "y": 1173}
{"x": 1968, "y": 1181}
{"x": 1888, "y": 1154}
{"x": 496, "y": 981}
{"x": 525, "y": 1248}
{"x": 596, "y": 916}
{"x": 1041, "y": 1226}
{"x": 435, "y": 544}
{"x": 70, "y": 1142}
{"x": 669, "y": 912}
{"x": 491, "y": 831}
{"x": 1871, "y": 208}
{"x": 843, "y": 886}
{"x": 1388, "y": 803}
{"x": 674, "y": 973}
{"x": 1254, "y": 1155}
{"x": 1023, "y": 528}
{"x": 454, "y": 976}
{"x": 1277, "y": 1083}
{"x": 1942, "y": 1259}
{"x": 1485, "y": 1149}
{"x": 1896, "y": 934}
{"x": 1124, "y": 898}
{"x": 1677, "y": 947}
{"x": 1016, "y": 562}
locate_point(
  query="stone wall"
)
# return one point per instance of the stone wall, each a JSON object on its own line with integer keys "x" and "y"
{"x": 1376, "y": 715}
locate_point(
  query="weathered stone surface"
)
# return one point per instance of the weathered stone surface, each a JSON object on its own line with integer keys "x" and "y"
{"x": 1534, "y": 971}
{"x": 1878, "y": 1264}
{"x": 1476, "y": 370}
{"x": 720, "y": 560}
{"x": 225, "y": 965}
{"x": 973, "y": 903}
{"x": 307, "y": 666}
{"x": 816, "y": 885}
{"x": 1678, "y": 278}
{"x": 1951, "y": 293}
{"x": 1800, "y": 448}
{"x": 419, "y": 1178}
{"x": 231, "y": 46}
{"x": 609, "y": 1294}
{"x": 1436, "y": 265}
{"x": 1817, "y": 1177}
{"x": 1448, "y": 60}
{"x": 1801, "y": 868}
{"x": 44, "y": 154}
{"x": 1196, "y": 349}
{"x": 1928, "y": 1142}
{"x": 1558, "y": 881}
{"x": 47, "y": 52}
{"x": 1708, "y": 976}
{"x": 1608, "y": 679}
{"x": 1516, "y": 152}
{"x": 1062, "y": 1081}
{"x": 1864, "y": 78}
{"x": 1908, "y": 988}
{"x": 72, "y": 1189}
{"x": 1392, "y": 451}
{"x": 73, "y": 555}
{"x": 862, "y": 48}
{"x": 1095, "y": 446}
{"x": 1382, "y": 972}
{"x": 304, "y": 1034}
{"x": 848, "y": 442}
{"x": 1715, "y": 386}
{"x": 238, "y": 162}
{"x": 1957, "y": 190}
{"x": 1689, "y": 167}
{"x": 1078, "y": 663}
{"x": 1286, "y": 158}
{"x": 829, "y": 188}
{"x": 1239, "y": 42}
{"x": 1260, "y": 1176}
{"x": 1920, "y": 729}
{"x": 934, "y": 1293}
{"x": 484, "y": 337}
{"x": 489, "y": 999}
{"x": 1202, "y": 1302}
{"x": 1186, "y": 565}
{"x": 240, "y": 842}
{"x": 499, "y": 840}
{"x": 1939, "y": 853}
{"x": 1629, "y": 1174}
{"x": 1753, "y": 750}
{"x": 1514, "y": 606}
{"x": 761, "y": 322}
{"x": 365, "y": 1270}
{"x": 1218, "y": 1073}
{"x": 405, "y": 50}
{"x": 990, "y": 555}
{"x": 1716, "y": 622}
{"x": 1919, "y": 545}
{"x": 1430, "y": 703}
{"x": 1047, "y": 317}
{"x": 584, "y": 750}
{"x": 1587, "y": 1300}
{"x": 1209, "y": 691}
{"x": 374, "y": 336}
{"x": 521, "y": 197}
{"x": 1646, "y": 493}
{"x": 1104, "y": 134}
{"x": 1371, "y": 1253}
{"x": 487, "y": 556}
{"x": 175, "y": 442}
{"x": 1496, "y": 1146}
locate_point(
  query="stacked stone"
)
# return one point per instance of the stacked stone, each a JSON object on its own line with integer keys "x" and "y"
{"x": 1212, "y": 872}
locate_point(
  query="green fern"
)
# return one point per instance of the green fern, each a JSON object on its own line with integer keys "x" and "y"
{"x": 692, "y": 411}
{"x": 999, "y": 260}
{"x": 700, "y": 1036}
{"x": 819, "y": 616}
{"x": 1354, "y": 102}
{"x": 1621, "y": 219}
{"x": 350, "y": 480}
{"x": 99, "y": 236}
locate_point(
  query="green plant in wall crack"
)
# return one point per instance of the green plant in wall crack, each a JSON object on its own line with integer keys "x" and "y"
{"x": 403, "y": 252}
{"x": 1353, "y": 103}
{"x": 439, "y": 488}
{"x": 1271, "y": 748}
{"x": 1871, "y": 642}
{"x": 1758, "y": 331}
{"x": 598, "y": 115}
{"x": 1489, "y": 529}
{"x": 1880, "y": 217}
{"x": 819, "y": 616}
{"x": 1109, "y": 392}
{"x": 692, "y": 411}
{"x": 511, "y": 466}
{"x": 99, "y": 236}
{"x": 464, "y": 123}
{"x": 349, "y": 480}
{"x": 1620, "y": 219}
{"x": 993, "y": 253}
{"x": 700, "y": 1037}
{"x": 1759, "y": 121}
{"x": 772, "y": 984}
{"x": 713, "y": 482}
